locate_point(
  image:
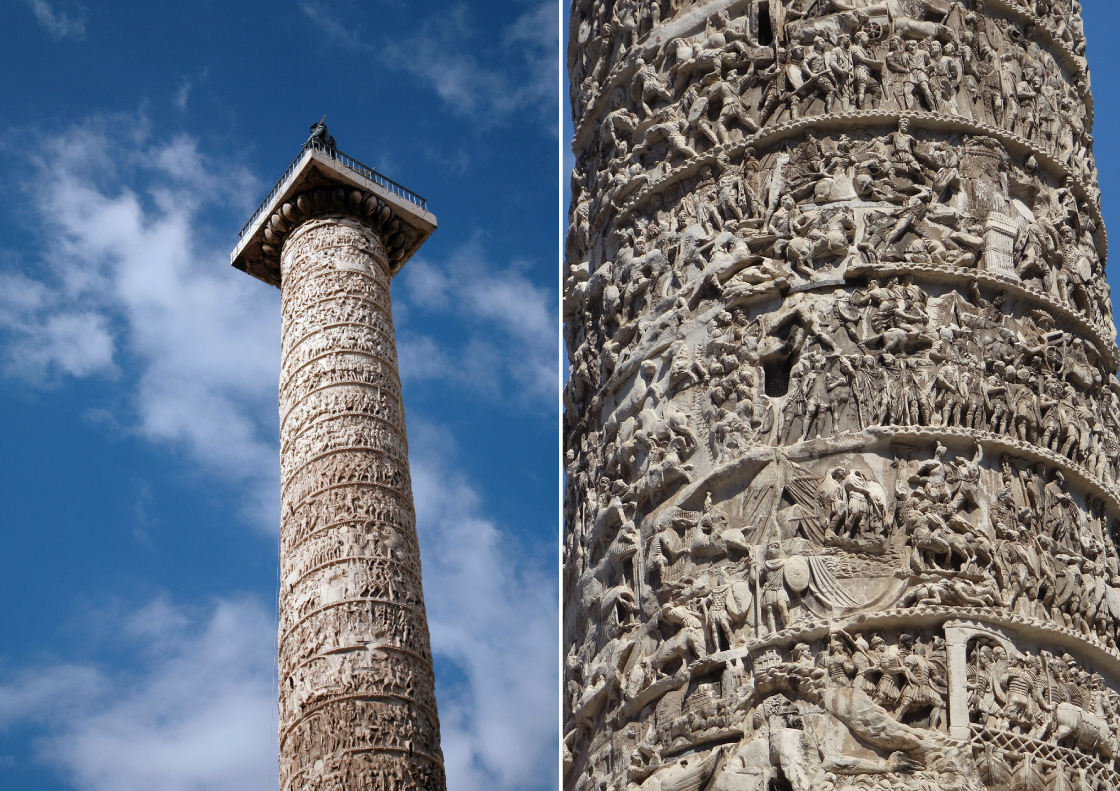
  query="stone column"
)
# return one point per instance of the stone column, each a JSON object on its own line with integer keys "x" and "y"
{"x": 357, "y": 702}
{"x": 842, "y": 371}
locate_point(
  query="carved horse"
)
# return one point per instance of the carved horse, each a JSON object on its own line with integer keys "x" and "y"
{"x": 1090, "y": 731}
{"x": 832, "y": 241}
{"x": 689, "y": 641}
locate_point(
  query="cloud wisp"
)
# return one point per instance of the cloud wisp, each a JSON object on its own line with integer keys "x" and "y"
{"x": 57, "y": 23}
{"x": 492, "y": 616}
{"x": 130, "y": 288}
{"x": 510, "y": 341}
{"x": 195, "y": 714}
{"x": 492, "y": 81}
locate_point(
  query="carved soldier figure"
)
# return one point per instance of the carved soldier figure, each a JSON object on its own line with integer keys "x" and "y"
{"x": 864, "y": 68}
{"x": 726, "y": 93}
{"x": 949, "y": 73}
{"x": 991, "y": 85}
{"x": 695, "y": 106}
{"x": 1020, "y": 693}
{"x": 922, "y": 689}
{"x": 819, "y": 78}
{"x": 672, "y": 132}
{"x": 834, "y": 498}
{"x": 902, "y": 150}
{"x": 649, "y": 86}
{"x": 897, "y": 69}
{"x": 775, "y": 598}
{"x": 842, "y": 62}
{"x": 920, "y": 66}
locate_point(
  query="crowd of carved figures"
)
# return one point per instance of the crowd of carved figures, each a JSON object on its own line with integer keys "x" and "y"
{"x": 607, "y": 34}
{"x": 962, "y": 532}
{"x": 827, "y": 364}
{"x": 817, "y": 207}
{"x": 963, "y": 58}
{"x": 842, "y": 424}
{"x": 356, "y": 687}
{"x": 654, "y": 122}
{"x": 754, "y": 723}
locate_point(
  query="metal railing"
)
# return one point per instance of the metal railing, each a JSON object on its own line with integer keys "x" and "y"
{"x": 365, "y": 170}
{"x": 349, "y": 162}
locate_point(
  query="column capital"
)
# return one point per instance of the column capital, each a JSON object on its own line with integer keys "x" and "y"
{"x": 322, "y": 182}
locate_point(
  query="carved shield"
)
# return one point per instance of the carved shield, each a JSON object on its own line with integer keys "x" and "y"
{"x": 739, "y": 599}
{"x": 1113, "y": 597}
{"x": 1084, "y": 268}
{"x": 915, "y": 9}
{"x": 797, "y": 574}
{"x": 698, "y": 110}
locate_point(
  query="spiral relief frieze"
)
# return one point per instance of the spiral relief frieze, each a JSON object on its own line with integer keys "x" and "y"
{"x": 357, "y": 706}
{"x": 842, "y": 422}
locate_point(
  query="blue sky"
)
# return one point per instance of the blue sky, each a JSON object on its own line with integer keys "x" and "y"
{"x": 1102, "y": 28}
{"x": 138, "y": 372}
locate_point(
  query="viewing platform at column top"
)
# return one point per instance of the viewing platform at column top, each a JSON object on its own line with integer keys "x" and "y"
{"x": 406, "y": 224}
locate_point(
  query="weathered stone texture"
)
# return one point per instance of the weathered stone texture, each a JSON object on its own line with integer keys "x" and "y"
{"x": 842, "y": 423}
{"x": 357, "y": 704}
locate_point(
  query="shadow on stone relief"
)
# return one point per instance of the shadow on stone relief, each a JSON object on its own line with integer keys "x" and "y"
{"x": 842, "y": 422}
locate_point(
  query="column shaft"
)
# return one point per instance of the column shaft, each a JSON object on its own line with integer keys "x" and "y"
{"x": 842, "y": 424}
{"x": 357, "y": 704}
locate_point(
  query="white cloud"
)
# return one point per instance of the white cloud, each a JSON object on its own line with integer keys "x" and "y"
{"x": 451, "y": 57}
{"x": 35, "y": 695}
{"x": 491, "y": 82}
{"x": 19, "y": 295}
{"x": 420, "y": 357}
{"x": 130, "y": 276}
{"x": 338, "y": 31}
{"x": 42, "y": 345}
{"x": 182, "y": 94}
{"x": 493, "y": 615}
{"x": 512, "y": 324}
{"x": 58, "y": 24}
{"x": 78, "y": 344}
{"x": 195, "y": 715}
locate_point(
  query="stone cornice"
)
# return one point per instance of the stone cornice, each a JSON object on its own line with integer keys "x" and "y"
{"x": 346, "y": 191}
{"x": 323, "y": 202}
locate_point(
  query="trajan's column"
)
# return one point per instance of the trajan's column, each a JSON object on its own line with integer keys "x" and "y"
{"x": 842, "y": 421}
{"x": 357, "y": 702}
